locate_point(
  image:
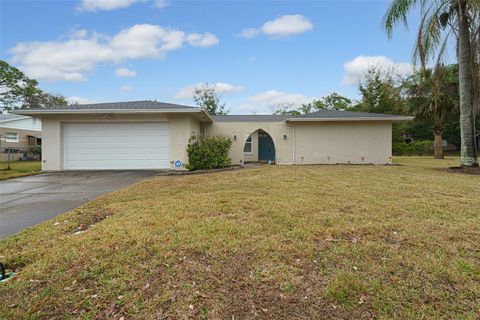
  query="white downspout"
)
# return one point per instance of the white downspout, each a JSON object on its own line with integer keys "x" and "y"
{"x": 293, "y": 144}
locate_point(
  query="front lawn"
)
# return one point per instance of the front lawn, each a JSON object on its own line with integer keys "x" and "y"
{"x": 19, "y": 169}
{"x": 276, "y": 242}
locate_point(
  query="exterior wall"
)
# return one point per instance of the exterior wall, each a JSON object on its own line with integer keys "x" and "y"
{"x": 343, "y": 142}
{"x": 305, "y": 143}
{"x": 52, "y": 150}
{"x": 253, "y": 156}
{"x": 181, "y": 127}
{"x": 283, "y": 147}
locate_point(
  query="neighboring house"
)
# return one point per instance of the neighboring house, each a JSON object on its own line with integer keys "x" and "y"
{"x": 19, "y": 135}
{"x": 155, "y": 135}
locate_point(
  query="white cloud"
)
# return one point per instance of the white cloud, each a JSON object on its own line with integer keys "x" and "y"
{"x": 354, "y": 70}
{"x": 145, "y": 41}
{"x": 249, "y": 33}
{"x": 125, "y": 72}
{"x": 281, "y": 27}
{"x": 264, "y": 102}
{"x": 79, "y": 34}
{"x": 202, "y": 40}
{"x": 125, "y": 88}
{"x": 286, "y": 26}
{"x": 105, "y": 5}
{"x": 73, "y": 58}
{"x": 220, "y": 87}
{"x": 160, "y": 4}
{"x": 81, "y": 100}
{"x": 276, "y": 97}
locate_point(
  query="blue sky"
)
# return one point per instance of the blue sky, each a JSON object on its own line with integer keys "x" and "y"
{"x": 259, "y": 53}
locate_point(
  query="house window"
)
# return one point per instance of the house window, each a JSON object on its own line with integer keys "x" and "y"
{"x": 32, "y": 141}
{"x": 248, "y": 145}
{"x": 11, "y": 137}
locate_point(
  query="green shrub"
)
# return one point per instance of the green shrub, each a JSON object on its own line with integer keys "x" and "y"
{"x": 36, "y": 150}
{"x": 417, "y": 148}
{"x": 208, "y": 153}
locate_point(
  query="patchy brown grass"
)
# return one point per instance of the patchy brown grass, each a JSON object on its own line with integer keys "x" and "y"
{"x": 305, "y": 242}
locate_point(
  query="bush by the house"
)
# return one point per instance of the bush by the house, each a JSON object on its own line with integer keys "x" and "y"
{"x": 417, "y": 148}
{"x": 208, "y": 152}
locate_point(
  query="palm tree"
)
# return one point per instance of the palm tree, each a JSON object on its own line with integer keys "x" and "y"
{"x": 441, "y": 19}
{"x": 433, "y": 96}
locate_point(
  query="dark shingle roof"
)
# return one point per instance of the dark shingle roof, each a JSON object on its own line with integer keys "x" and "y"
{"x": 332, "y": 114}
{"x": 128, "y": 105}
{"x": 322, "y": 114}
{"x": 250, "y": 118}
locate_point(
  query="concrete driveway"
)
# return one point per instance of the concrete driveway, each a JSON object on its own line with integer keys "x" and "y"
{"x": 30, "y": 200}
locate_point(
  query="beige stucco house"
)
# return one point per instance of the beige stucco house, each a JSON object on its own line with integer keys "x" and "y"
{"x": 154, "y": 135}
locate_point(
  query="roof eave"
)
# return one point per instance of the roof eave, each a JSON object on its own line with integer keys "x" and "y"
{"x": 43, "y": 112}
{"x": 13, "y": 119}
{"x": 347, "y": 119}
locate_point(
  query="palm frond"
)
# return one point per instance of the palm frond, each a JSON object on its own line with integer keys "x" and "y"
{"x": 430, "y": 33}
{"x": 443, "y": 49}
{"x": 398, "y": 11}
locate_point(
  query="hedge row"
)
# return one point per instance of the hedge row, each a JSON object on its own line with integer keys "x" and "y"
{"x": 417, "y": 148}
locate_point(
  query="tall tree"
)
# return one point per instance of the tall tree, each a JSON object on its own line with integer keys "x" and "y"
{"x": 466, "y": 87}
{"x": 206, "y": 97}
{"x": 333, "y": 101}
{"x": 380, "y": 93}
{"x": 44, "y": 100}
{"x": 432, "y": 96}
{"x": 19, "y": 91}
{"x": 15, "y": 87}
{"x": 440, "y": 19}
{"x": 284, "y": 108}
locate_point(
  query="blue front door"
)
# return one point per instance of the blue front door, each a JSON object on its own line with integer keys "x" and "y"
{"x": 266, "y": 148}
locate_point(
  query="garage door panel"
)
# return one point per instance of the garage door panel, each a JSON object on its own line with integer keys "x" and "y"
{"x": 116, "y": 146}
{"x": 113, "y": 138}
{"x": 95, "y": 153}
{"x": 112, "y": 156}
{"x": 112, "y": 148}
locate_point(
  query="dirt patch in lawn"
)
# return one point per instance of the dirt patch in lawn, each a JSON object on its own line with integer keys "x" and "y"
{"x": 82, "y": 222}
{"x": 465, "y": 170}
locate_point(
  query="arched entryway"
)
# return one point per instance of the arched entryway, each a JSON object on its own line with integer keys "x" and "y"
{"x": 259, "y": 146}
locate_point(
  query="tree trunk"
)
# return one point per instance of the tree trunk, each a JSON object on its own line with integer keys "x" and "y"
{"x": 438, "y": 145}
{"x": 467, "y": 115}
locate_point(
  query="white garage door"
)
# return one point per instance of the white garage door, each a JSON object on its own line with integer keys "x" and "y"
{"x": 94, "y": 146}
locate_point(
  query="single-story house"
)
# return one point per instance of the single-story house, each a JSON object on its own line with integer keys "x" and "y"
{"x": 19, "y": 135}
{"x": 155, "y": 135}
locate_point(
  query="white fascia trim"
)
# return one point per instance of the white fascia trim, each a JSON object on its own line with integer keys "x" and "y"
{"x": 349, "y": 119}
{"x": 102, "y": 111}
{"x": 73, "y": 111}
